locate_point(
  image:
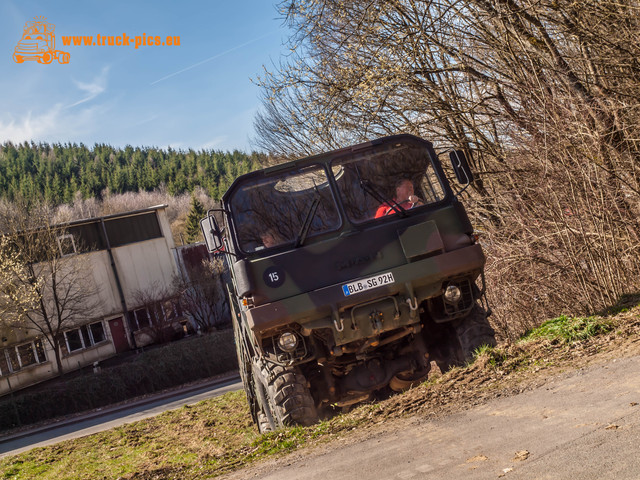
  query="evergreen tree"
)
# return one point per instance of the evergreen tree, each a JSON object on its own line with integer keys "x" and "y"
{"x": 57, "y": 172}
{"x": 192, "y": 227}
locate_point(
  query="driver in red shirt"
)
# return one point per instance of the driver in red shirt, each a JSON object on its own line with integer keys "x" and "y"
{"x": 404, "y": 198}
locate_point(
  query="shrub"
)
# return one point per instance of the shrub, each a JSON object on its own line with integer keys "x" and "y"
{"x": 168, "y": 366}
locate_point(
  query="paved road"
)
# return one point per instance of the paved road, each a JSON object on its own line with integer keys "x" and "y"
{"x": 582, "y": 426}
{"x": 114, "y": 418}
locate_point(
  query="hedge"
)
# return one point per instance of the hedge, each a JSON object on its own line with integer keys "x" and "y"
{"x": 151, "y": 371}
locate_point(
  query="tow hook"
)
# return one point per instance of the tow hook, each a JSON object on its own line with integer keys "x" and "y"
{"x": 376, "y": 319}
{"x": 413, "y": 306}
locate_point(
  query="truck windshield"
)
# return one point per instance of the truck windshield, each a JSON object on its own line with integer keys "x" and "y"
{"x": 390, "y": 181}
{"x": 285, "y": 208}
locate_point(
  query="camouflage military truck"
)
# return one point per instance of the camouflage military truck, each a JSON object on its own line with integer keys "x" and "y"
{"x": 351, "y": 272}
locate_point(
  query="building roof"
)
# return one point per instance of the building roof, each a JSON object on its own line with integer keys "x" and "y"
{"x": 113, "y": 216}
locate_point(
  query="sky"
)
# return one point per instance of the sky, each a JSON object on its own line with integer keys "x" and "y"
{"x": 197, "y": 95}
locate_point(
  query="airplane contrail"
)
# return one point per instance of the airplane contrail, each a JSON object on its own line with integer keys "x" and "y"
{"x": 212, "y": 58}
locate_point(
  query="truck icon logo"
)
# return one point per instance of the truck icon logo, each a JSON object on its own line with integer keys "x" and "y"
{"x": 39, "y": 43}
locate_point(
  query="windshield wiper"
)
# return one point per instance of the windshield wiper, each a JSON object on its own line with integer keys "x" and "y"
{"x": 369, "y": 189}
{"x": 306, "y": 225}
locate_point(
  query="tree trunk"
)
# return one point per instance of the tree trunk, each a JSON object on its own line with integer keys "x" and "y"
{"x": 56, "y": 352}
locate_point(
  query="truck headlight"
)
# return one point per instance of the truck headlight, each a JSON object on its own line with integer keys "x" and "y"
{"x": 452, "y": 294}
{"x": 288, "y": 342}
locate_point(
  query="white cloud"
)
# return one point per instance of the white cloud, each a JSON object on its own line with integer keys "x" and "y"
{"x": 31, "y": 126}
{"x": 53, "y": 125}
{"x": 92, "y": 89}
{"x": 57, "y": 123}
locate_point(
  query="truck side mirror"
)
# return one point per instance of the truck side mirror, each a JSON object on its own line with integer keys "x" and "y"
{"x": 461, "y": 167}
{"x": 211, "y": 234}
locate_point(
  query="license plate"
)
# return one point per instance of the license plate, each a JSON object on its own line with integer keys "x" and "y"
{"x": 367, "y": 283}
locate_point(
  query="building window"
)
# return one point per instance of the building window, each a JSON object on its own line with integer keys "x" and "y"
{"x": 131, "y": 320}
{"x": 97, "y": 332}
{"x": 139, "y": 319}
{"x": 157, "y": 313}
{"x": 66, "y": 244}
{"x": 74, "y": 341}
{"x": 27, "y": 354}
{"x": 14, "y": 359}
{"x": 170, "y": 310}
{"x": 142, "y": 318}
{"x": 84, "y": 337}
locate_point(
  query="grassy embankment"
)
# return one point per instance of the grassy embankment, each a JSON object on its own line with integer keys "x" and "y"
{"x": 217, "y": 436}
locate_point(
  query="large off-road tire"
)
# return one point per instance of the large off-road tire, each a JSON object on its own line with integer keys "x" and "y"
{"x": 283, "y": 397}
{"x": 465, "y": 336}
{"x": 474, "y": 331}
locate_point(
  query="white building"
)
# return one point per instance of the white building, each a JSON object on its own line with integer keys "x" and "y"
{"x": 126, "y": 253}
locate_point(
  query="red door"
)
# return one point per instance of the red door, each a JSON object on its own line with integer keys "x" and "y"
{"x": 118, "y": 334}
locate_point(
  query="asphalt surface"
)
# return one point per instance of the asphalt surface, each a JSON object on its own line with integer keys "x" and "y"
{"x": 580, "y": 426}
{"x": 115, "y": 417}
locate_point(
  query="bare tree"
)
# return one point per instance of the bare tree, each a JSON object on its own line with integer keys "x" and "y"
{"x": 203, "y": 294}
{"x": 545, "y": 95}
{"x": 61, "y": 291}
{"x": 158, "y": 302}
{"x": 16, "y": 299}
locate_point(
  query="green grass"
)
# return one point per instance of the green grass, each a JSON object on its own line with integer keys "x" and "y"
{"x": 199, "y": 441}
{"x": 484, "y": 350}
{"x": 570, "y": 329}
